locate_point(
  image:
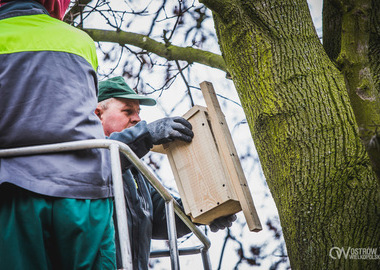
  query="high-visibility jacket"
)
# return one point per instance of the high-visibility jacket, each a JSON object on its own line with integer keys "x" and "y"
{"x": 48, "y": 94}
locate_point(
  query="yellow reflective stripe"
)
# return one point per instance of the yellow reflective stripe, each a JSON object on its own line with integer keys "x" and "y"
{"x": 137, "y": 187}
{"x": 44, "y": 33}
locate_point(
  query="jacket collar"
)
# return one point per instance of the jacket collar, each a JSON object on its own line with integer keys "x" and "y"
{"x": 21, "y": 8}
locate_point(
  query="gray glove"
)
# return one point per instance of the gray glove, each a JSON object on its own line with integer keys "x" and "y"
{"x": 169, "y": 129}
{"x": 222, "y": 223}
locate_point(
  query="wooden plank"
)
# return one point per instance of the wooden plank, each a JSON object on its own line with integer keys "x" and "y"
{"x": 225, "y": 209}
{"x": 181, "y": 190}
{"x": 158, "y": 149}
{"x": 199, "y": 173}
{"x": 163, "y": 149}
{"x": 229, "y": 156}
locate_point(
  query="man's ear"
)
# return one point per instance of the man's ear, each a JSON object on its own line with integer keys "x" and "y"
{"x": 99, "y": 111}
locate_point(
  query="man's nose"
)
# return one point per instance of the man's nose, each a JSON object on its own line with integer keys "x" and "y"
{"x": 136, "y": 118}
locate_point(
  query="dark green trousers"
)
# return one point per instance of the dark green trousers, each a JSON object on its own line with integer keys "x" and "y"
{"x": 40, "y": 232}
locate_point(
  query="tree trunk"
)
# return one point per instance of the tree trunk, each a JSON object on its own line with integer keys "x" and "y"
{"x": 304, "y": 129}
{"x": 351, "y": 37}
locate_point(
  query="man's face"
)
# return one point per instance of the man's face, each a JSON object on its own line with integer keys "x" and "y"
{"x": 120, "y": 113}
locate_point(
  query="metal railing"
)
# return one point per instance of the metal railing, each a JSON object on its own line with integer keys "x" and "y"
{"x": 171, "y": 205}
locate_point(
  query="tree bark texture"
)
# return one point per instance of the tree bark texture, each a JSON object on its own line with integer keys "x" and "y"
{"x": 352, "y": 39}
{"x": 304, "y": 129}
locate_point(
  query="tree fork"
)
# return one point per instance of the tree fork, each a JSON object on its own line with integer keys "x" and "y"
{"x": 359, "y": 52}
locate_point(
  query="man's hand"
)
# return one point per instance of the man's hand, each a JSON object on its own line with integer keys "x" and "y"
{"x": 169, "y": 129}
{"x": 222, "y": 223}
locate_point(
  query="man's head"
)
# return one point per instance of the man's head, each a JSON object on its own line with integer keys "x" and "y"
{"x": 119, "y": 105}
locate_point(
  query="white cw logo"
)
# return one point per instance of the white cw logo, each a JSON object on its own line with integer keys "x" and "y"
{"x": 336, "y": 253}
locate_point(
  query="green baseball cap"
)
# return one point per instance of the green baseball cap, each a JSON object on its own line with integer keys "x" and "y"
{"x": 116, "y": 87}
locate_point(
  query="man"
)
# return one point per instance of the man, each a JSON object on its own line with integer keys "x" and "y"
{"x": 55, "y": 210}
{"x": 118, "y": 109}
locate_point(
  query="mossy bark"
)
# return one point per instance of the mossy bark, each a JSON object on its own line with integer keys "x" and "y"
{"x": 304, "y": 129}
{"x": 352, "y": 39}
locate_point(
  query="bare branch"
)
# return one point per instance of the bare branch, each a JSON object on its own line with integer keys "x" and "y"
{"x": 75, "y": 11}
{"x": 171, "y": 52}
{"x": 186, "y": 83}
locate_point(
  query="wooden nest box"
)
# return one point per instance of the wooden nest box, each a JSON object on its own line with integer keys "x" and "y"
{"x": 207, "y": 171}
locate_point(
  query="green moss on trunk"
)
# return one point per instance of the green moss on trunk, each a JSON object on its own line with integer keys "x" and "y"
{"x": 357, "y": 40}
{"x": 304, "y": 130}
